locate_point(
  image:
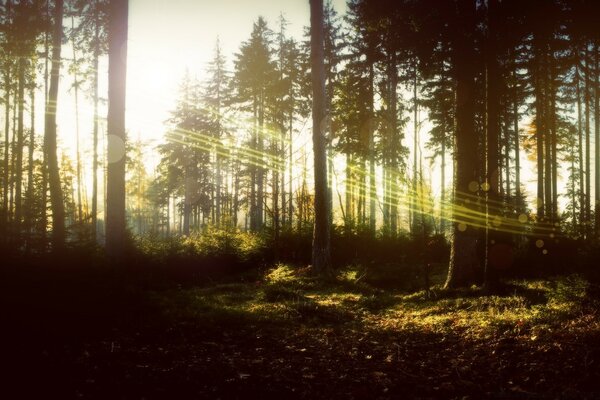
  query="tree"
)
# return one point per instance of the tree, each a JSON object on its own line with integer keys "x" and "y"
{"x": 463, "y": 254}
{"x": 321, "y": 254}
{"x": 217, "y": 94}
{"x": 50, "y": 147}
{"x": 253, "y": 80}
{"x": 117, "y": 74}
{"x": 91, "y": 34}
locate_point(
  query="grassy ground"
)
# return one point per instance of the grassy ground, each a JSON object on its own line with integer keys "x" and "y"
{"x": 280, "y": 333}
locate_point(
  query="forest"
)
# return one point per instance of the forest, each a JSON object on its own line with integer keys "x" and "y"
{"x": 361, "y": 199}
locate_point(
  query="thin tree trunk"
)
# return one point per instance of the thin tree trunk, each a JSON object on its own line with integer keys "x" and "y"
{"x": 260, "y": 178}
{"x": 395, "y": 142}
{"x": 547, "y": 137}
{"x": 597, "y": 138}
{"x": 582, "y": 217}
{"x": 372, "y": 161}
{"x": 77, "y": 147}
{"x": 553, "y": 146}
{"x": 187, "y": 202}
{"x": 587, "y": 97}
{"x": 348, "y": 194}
{"x": 413, "y": 205}
{"x": 7, "y": 84}
{"x": 539, "y": 118}
{"x": 517, "y": 144}
{"x": 30, "y": 192}
{"x": 290, "y": 169}
{"x": 19, "y": 152}
{"x": 95, "y": 129}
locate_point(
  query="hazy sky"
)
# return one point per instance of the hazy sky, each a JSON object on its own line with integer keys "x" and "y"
{"x": 168, "y": 36}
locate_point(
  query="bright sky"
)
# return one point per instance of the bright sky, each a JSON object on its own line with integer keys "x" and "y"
{"x": 168, "y": 36}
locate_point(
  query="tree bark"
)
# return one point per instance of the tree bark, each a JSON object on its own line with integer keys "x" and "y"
{"x": 56, "y": 194}
{"x": 463, "y": 255}
{"x": 95, "y": 128}
{"x": 492, "y": 141}
{"x": 115, "y": 185}
{"x": 19, "y": 151}
{"x": 597, "y": 139}
{"x": 321, "y": 256}
{"x": 587, "y": 99}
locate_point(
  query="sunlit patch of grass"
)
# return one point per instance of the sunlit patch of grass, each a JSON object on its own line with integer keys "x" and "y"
{"x": 533, "y": 308}
{"x": 280, "y": 274}
{"x": 527, "y": 309}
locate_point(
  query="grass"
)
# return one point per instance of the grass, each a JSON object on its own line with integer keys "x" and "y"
{"x": 285, "y": 333}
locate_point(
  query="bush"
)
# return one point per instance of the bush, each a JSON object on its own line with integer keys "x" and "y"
{"x": 214, "y": 250}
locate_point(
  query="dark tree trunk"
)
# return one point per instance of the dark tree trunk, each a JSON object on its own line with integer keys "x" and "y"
{"x": 56, "y": 194}
{"x": 372, "y": 161}
{"x": 393, "y": 76}
{"x": 539, "y": 121}
{"x": 582, "y": 217}
{"x": 95, "y": 129}
{"x": 517, "y": 144}
{"x": 19, "y": 151}
{"x": 29, "y": 218}
{"x": 597, "y": 138}
{"x": 463, "y": 254}
{"x": 115, "y": 174}
{"x": 492, "y": 141}
{"x": 587, "y": 99}
{"x": 5, "y": 176}
{"x": 321, "y": 257}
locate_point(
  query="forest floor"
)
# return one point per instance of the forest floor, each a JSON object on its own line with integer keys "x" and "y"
{"x": 276, "y": 333}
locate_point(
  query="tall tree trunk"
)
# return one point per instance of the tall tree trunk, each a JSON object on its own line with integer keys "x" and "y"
{"x": 463, "y": 254}
{"x": 56, "y": 194}
{"x": 597, "y": 138}
{"x": 290, "y": 171}
{"x": 321, "y": 256}
{"x": 117, "y": 74}
{"x": 444, "y": 129}
{"x": 19, "y": 151}
{"x": 394, "y": 193}
{"x": 547, "y": 123}
{"x": 582, "y": 217}
{"x": 77, "y": 147}
{"x": 492, "y": 141}
{"x": 187, "y": 200}
{"x": 5, "y": 176}
{"x": 275, "y": 194}
{"x": 30, "y": 193}
{"x": 236, "y": 188}
{"x": 372, "y": 161}
{"x": 253, "y": 168}
{"x": 553, "y": 147}
{"x": 517, "y": 144}
{"x": 95, "y": 128}
{"x": 539, "y": 120}
{"x": 7, "y": 84}
{"x": 348, "y": 194}
{"x": 260, "y": 178}
{"x": 587, "y": 100}
{"x": 506, "y": 155}
{"x": 414, "y": 189}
